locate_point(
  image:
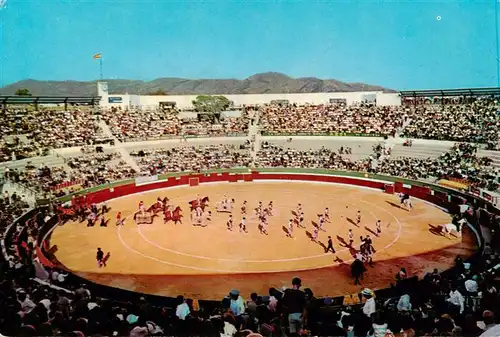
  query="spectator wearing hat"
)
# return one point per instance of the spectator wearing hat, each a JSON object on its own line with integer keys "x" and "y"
{"x": 237, "y": 304}
{"x": 294, "y": 301}
{"x": 369, "y": 307}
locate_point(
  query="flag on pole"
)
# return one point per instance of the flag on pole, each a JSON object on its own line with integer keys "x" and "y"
{"x": 97, "y": 56}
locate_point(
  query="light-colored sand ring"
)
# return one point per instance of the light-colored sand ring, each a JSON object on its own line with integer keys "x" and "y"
{"x": 207, "y": 262}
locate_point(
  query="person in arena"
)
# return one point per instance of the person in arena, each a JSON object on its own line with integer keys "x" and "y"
{"x": 119, "y": 220}
{"x": 321, "y": 222}
{"x": 100, "y": 258}
{"x": 300, "y": 222}
{"x": 378, "y": 227}
{"x": 329, "y": 246}
{"x": 244, "y": 208}
{"x": 243, "y": 226}
{"x": 326, "y": 215}
{"x": 289, "y": 232}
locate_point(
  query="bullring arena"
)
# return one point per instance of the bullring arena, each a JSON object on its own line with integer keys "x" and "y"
{"x": 129, "y": 210}
{"x": 167, "y": 259}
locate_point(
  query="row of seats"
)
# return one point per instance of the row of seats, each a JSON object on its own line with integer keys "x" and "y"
{"x": 461, "y": 161}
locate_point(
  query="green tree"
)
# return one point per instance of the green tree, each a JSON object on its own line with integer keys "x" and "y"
{"x": 211, "y": 105}
{"x": 159, "y": 92}
{"x": 23, "y": 92}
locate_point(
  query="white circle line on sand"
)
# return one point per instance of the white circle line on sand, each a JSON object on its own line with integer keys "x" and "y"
{"x": 301, "y": 258}
{"x": 259, "y": 271}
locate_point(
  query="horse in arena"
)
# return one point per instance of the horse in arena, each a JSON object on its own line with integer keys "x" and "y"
{"x": 174, "y": 215}
{"x": 203, "y": 203}
{"x": 405, "y": 201}
{"x": 159, "y": 206}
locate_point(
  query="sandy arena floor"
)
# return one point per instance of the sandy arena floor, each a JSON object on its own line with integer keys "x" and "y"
{"x": 207, "y": 262}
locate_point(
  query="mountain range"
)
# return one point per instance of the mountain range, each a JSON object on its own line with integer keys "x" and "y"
{"x": 263, "y": 83}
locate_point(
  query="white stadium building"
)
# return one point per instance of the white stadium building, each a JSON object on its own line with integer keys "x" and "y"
{"x": 185, "y": 101}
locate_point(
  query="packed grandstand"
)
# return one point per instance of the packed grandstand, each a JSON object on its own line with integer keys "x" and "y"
{"x": 51, "y": 153}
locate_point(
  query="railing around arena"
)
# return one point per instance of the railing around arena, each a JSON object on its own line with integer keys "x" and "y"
{"x": 329, "y": 134}
{"x": 446, "y": 196}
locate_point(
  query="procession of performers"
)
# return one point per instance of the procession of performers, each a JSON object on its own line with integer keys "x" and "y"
{"x": 201, "y": 216}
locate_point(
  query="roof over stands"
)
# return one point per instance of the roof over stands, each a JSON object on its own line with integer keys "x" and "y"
{"x": 452, "y": 92}
{"x": 49, "y": 99}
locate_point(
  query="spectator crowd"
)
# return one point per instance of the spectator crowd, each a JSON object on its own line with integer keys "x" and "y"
{"x": 460, "y": 162}
{"x": 476, "y": 122}
{"x": 77, "y": 173}
{"x": 463, "y": 301}
{"x": 35, "y": 302}
{"x": 192, "y": 158}
{"x": 331, "y": 119}
{"x": 134, "y": 125}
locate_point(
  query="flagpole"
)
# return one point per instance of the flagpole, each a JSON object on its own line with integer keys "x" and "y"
{"x": 496, "y": 43}
{"x": 100, "y": 66}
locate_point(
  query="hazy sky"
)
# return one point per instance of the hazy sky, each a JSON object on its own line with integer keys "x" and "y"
{"x": 397, "y": 44}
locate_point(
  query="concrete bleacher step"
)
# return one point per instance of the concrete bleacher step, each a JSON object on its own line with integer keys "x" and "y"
{"x": 50, "y": 161}
{"x": 418, "y": 151}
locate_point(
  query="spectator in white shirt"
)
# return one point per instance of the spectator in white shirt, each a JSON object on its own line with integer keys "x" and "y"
{"x": 182, "y": 310}
{"x": 26, "y": 304}
{"x": 456, "y": 300}
{"x": 369, "y": 307}
{"x": 404, "y": 303}
{"x": 229, "y": 329}
{"x": 471, "y": 286}
{"x": 54, "y": 276}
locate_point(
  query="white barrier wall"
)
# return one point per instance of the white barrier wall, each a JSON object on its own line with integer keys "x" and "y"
{"x": 185, "y": 101}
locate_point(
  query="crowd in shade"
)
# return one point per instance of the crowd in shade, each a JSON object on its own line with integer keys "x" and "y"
{"x": 192, "y": 158}
{"x": 460, "y": 162}
{"x": 332, "y": 118}
{"x": 130, "y": 125}
{"x": 463, "y": 301}
{"x": 475, "y": 122}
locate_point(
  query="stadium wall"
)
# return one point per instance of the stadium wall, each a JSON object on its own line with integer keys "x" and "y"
{"x": 185, "y": 101}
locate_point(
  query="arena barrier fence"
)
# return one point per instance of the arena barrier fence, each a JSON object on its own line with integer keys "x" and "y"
{"x": 443, "y": 197}
{"x": 317, "y": 134}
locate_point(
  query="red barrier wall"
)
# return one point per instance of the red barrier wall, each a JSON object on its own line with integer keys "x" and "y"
{"x": 119, "y": 191}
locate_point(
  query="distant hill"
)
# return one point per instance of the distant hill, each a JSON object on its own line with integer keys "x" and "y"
{"x": 265, "y": 83}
